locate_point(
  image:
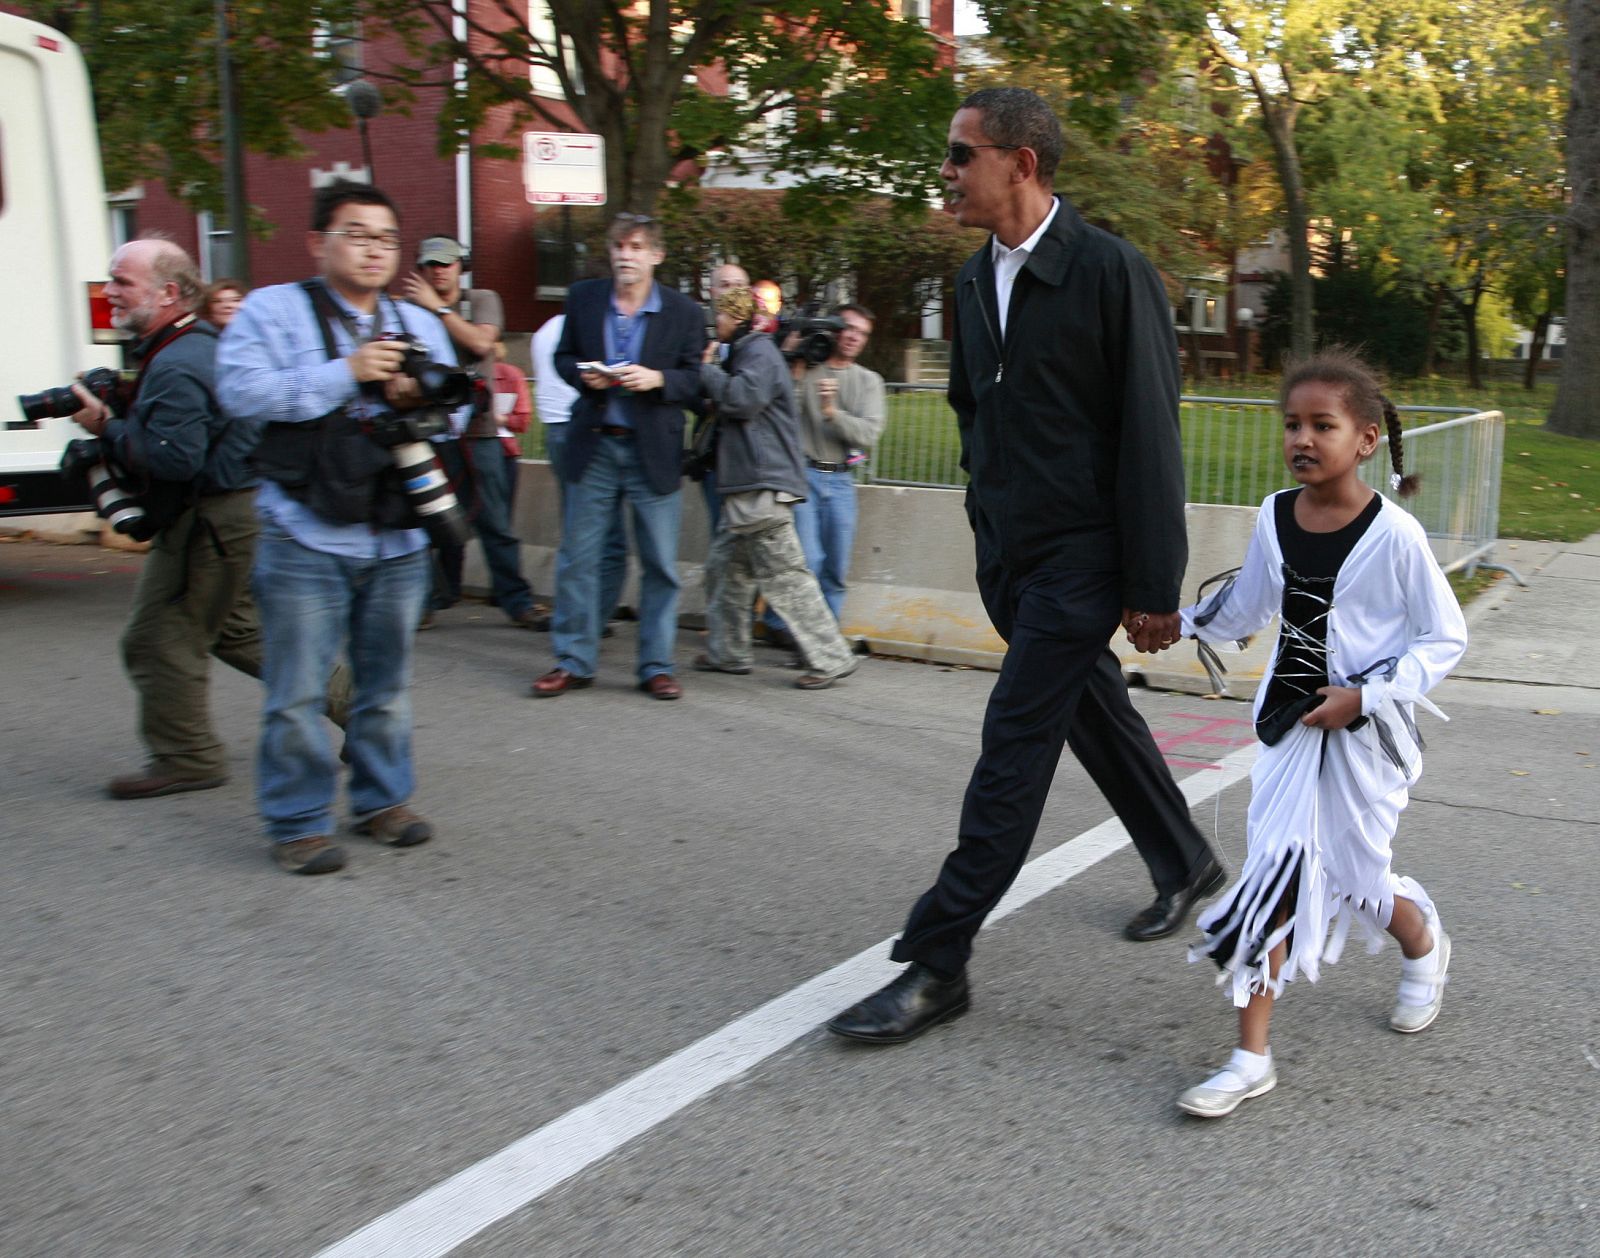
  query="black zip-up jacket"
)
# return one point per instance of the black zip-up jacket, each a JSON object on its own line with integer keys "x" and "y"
{"x": 1069, "y": 430}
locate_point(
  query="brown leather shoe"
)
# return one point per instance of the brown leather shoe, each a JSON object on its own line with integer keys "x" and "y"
{"x": 662, "y": 686}
{"x": 399, "y": 826}
{"x": 559, "y": 681}
{"x": 152, "y": 782}
{"x": 315, "y": 854}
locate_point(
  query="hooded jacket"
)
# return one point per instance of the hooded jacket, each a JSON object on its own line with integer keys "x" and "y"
{"x": 1069, "y": 426}
{"x": 758, "y": 435}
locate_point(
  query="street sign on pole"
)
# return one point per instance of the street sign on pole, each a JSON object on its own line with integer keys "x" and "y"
{"x": 564, "y": 168}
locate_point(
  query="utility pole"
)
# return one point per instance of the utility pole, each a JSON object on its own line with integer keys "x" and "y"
{"x": 232, "y": 151}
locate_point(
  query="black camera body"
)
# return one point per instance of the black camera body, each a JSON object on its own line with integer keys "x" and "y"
{"x": 405, "y": 435}
{"x": 819, "y": 337}
{"x": 397, "y": 428}
{"x": 102, "y": 383}
{"x": 440, "y": 383}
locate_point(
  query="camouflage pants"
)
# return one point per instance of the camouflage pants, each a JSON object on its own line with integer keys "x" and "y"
{"x": 769, "y": 560}
{"x": 192, "y": 603}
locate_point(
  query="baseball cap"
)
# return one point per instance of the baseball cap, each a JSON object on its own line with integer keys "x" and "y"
{"x": 440, "y": 249}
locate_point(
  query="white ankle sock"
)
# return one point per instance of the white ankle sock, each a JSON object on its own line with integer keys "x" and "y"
{"x": 1243, "y": 1068}
{"x": 1418, "y": 975}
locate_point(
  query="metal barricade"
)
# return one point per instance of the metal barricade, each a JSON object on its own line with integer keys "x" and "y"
{"x": 1458, "y": 500}
{"x": 1233, "y": 455}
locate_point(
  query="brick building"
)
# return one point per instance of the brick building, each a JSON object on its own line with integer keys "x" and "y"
{"x": 476, "y": 198}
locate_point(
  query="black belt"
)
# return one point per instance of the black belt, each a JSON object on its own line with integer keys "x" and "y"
{"x": 828, "y": 467}
{"x": 613, "y": 430}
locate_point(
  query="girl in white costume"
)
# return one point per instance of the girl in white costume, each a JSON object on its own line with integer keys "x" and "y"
{"x": 1369, "y": 625}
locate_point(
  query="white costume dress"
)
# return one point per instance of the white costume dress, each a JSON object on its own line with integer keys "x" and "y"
{"x": 1324, "y": 809}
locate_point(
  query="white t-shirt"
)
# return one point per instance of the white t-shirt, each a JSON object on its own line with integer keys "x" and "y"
{"x": 552, "y": 396}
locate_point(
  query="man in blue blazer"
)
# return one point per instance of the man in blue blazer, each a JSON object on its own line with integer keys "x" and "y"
{"x": 632, "y": 349}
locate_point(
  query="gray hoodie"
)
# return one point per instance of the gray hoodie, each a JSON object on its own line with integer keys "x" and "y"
{"x": 758, "y": 439}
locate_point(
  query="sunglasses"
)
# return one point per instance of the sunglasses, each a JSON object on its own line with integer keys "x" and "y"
{"x": 628, "y": 216}
{"x": 959, "y": 154}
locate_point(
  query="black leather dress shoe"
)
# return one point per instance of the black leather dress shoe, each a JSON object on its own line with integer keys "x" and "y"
{"x": 904, "y": 1009}
{"x": 1168, "y": 912}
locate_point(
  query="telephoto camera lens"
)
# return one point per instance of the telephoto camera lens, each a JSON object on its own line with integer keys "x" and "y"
{"x": 118, "y": 508}
{"x": 431, "y": 495}
{"x": 49, "y": 404}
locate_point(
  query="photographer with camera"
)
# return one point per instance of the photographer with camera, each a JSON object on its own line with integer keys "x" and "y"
{"x": 182, "y": 481}
{"x": 345, "y": 385}
{"x": 471, "y": 452}
{"x": 841, "y": 417}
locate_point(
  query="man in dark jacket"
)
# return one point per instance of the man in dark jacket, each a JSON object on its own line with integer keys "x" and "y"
{"x": 176, "y": 444}
{"x": 1064, "y": 380}
{"x": 631, "y": 347}
{"x": 760, "y": 477}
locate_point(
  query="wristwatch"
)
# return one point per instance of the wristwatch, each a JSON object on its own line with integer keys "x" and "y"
{"x": 443, "y": 310}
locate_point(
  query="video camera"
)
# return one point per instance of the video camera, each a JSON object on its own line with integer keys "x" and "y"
{"x": 819, "y": 337}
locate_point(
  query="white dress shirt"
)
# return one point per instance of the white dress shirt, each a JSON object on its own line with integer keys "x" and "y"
{"x": 1008, "y": 262}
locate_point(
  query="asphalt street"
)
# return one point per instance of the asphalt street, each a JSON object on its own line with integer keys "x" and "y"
{"x": 200, "y": 1055}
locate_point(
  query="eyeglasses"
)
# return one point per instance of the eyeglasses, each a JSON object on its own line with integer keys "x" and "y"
{"x": 387, "y": 241}
{"x": 959, "y": 154}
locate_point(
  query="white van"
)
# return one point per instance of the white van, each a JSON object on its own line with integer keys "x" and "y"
{"x": 55, "y": 239}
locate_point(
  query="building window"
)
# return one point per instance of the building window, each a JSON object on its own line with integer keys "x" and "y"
{"x": 916, "y": 11}
{"x": 1201, "y": 311}
{"x": 339, "y": 45}
{"x": 560, "y": 262}
{"x": 124, "y": 217}
{"x": 546, "y": 81}
{"x": 216, "y": 247}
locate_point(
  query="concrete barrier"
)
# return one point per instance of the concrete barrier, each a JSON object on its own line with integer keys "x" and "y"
{"x": 913, "y": 591}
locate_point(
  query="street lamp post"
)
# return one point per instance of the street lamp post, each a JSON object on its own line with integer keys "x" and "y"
{"x": 364, "y": 103}
{"x": 232, "y": 151}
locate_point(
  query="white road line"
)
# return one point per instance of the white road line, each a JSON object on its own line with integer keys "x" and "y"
{"x": 456, "y": 1210}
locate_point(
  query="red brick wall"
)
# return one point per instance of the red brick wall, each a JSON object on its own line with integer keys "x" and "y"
{"x": 406, "y": 161}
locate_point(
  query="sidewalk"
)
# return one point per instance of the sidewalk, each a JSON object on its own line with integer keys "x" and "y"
{"x": 1533, "y": 643}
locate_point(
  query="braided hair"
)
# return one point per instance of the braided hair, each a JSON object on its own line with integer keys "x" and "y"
{"x": 1363, "y": 395}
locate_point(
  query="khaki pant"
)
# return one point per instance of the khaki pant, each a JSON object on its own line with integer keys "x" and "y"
{"x": 193, "y": 601}
{"x": 765, "y": 554}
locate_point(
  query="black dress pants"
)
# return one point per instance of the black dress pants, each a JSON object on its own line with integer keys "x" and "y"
{"x": 1060, "y": 684}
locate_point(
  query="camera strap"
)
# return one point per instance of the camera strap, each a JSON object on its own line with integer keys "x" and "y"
{"x": 174, "y": 331}
{"x": 329, "y": 312}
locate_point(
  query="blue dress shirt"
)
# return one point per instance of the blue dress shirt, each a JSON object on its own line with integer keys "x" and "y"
{"x": 624, "y": 343}
{"x": 272, "y": 368}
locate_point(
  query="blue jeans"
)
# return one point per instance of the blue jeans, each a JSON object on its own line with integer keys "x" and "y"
{"x": 484, "y": 480}
{"x": 613, "y": 476}
{"x": 826, "y": 522}
{"x": 614, "y": 559}
{"x": 708, "y": 489}
{"x": 314, "y": 607}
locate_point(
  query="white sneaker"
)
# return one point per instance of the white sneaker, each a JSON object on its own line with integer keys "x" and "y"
{"x": 1221, "y": 1094}
{"x": 1422, "y": 983}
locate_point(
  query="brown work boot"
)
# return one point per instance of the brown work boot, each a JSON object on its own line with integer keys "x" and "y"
{"x": 396, "y": 827}
{"x": 315, "y": 854}
{"x": 153, "y": 782}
